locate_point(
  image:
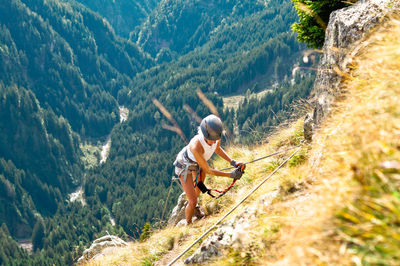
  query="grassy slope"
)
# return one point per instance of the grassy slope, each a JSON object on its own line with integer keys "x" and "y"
{"x": 338, "y": 200}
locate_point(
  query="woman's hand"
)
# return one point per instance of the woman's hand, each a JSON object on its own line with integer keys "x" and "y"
{"x": 236, "y": 174}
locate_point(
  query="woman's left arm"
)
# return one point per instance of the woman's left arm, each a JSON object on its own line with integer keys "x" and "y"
{"x": 222, "y": 153}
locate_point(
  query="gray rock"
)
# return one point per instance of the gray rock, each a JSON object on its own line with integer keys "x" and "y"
{"x": 346, "y": 27}
{"x": 230, "y": 233}
{"x": 267, "y": 198}
{"x": 178, "y": 213}
{"x": 212, "y": 246}
{"x": 181, "y": 223}
{"x": 227, "y": 234}
{"x": 98, "y": 245}
{"x": 308, "y": 127}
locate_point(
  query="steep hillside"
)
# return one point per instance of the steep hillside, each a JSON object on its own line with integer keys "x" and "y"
{"x": 70, "y": 58}
{"x": 61, "y": 66}
{"x": 336, "y": 201}
{"x": 39, "y": 160}
{"x": 123, "y": 15}
{"x": 178, "y": 27}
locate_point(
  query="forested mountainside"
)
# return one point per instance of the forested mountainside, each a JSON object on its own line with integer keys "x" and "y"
{"x": 123, "y": 15}
{"x": 39, "y": 159}
{"x": 55, "y": 44}
{"x": 65, "y": 71}
{"x": 178, "y": 27}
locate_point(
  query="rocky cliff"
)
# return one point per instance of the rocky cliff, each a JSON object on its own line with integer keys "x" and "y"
{"x": 346, "y": 28}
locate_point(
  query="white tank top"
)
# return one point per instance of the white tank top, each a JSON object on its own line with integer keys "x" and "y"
{"x": 208, "y": 150}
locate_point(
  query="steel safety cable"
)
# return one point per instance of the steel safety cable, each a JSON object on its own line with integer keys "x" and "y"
{"x": 266, "y": 156}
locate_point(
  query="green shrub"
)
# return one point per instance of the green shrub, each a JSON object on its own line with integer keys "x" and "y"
{"x": 314, "y": 17}
{"x": 147, "y": 231}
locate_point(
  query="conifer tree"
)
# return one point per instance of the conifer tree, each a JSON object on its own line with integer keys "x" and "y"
{"x": 38, "y": 235}
{"x": 314, "y": 17}
{"x": 146, "y": 232}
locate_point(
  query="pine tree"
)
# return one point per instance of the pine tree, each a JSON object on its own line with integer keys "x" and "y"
{"x": 38, "y": 235}
{"x": 146, "y": 232}
{"x": 314, "y": 17}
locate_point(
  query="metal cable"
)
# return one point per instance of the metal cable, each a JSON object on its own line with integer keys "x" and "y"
{"x": 166, "y": 201}
{"x": 264, "y": 157}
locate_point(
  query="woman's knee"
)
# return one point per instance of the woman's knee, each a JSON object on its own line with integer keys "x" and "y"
{"x": 192, "y": 201}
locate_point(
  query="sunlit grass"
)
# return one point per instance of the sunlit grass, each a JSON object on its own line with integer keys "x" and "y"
{"x": 371, "y": 222}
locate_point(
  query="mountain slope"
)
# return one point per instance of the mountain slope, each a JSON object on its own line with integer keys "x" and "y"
{"x": 338, "y": 198}
{"x": 70, "y": 58}
{"x": 181, "y": 26}
{"x": 123, "y": 15}
{"x": 39, "y": 158}
{"x": 61, "y": 66}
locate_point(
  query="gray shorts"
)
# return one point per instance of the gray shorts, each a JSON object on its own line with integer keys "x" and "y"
{"x": 180, "y": 168}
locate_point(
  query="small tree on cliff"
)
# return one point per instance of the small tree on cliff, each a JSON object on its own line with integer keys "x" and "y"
{"x": 146, "y": 232}
{"x": 314, "y": 16}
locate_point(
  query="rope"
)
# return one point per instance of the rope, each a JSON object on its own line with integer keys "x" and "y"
{"x": 269, "y": 155}
{"x": 237, "y": 205}
{"x": 166, "y": 201}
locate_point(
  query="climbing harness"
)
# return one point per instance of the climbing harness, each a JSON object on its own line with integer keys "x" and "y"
{"x": 237, "y": 205}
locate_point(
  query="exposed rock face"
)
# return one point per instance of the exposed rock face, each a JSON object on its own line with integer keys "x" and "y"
{"x": 308, "y": 127}
{"x": 227, "y": 234}
{"x": 99, "y": 244}
{"x": 346, "y": 27}
{"x": 230, "y": 233}
{"x": 178, "y": 213}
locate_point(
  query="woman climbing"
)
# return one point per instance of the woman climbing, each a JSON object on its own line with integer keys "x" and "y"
{"x": 191, "y": 163}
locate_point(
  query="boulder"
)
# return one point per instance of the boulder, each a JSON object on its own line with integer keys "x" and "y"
{"x": 231, "y": 233}
{"x": 227, "y": 234}
{"x": 178, "y": 213}
{"x": 99, "y": 244}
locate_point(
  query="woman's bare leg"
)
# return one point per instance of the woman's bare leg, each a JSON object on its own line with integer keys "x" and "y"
{"x": 190, "y": 195}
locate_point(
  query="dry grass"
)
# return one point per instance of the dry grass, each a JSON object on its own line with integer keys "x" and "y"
{"x": 338, "y": 199}
{"x": 360, "y": 136}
